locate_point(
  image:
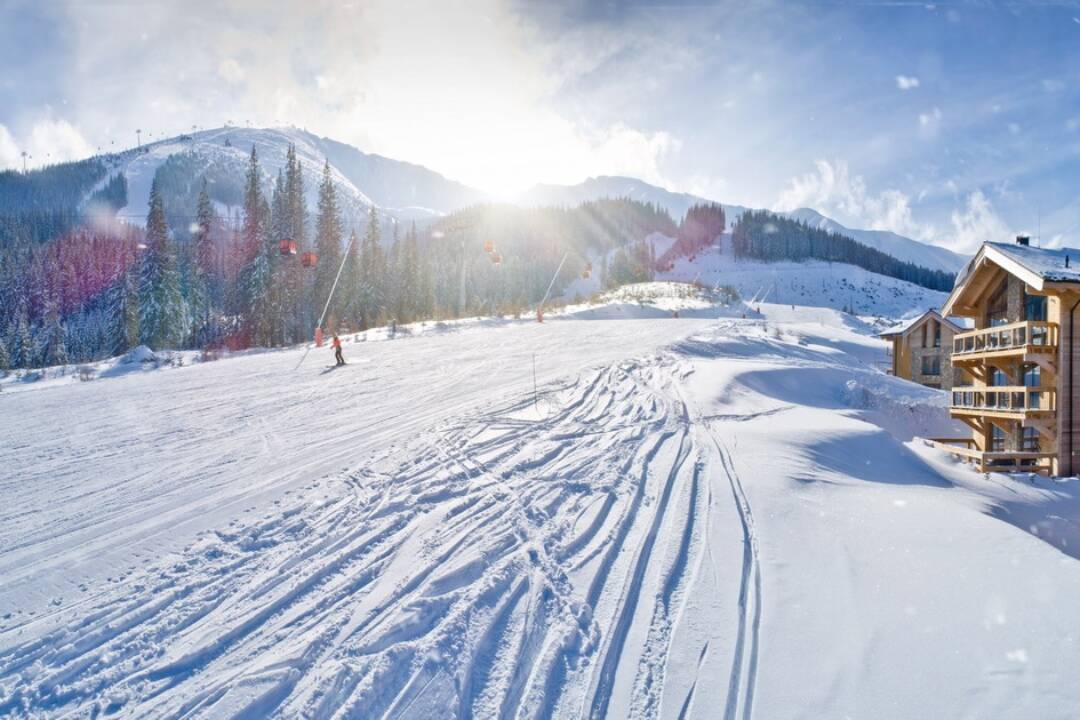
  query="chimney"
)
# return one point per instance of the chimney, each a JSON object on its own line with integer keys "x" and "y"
{"x": 1024, "y": 240}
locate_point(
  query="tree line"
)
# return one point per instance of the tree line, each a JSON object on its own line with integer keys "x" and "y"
{"x": 195, "y": 279}
{"x": 763, "y": 235}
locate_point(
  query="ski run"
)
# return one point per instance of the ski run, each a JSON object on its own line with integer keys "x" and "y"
{"x": 614, "y": 514}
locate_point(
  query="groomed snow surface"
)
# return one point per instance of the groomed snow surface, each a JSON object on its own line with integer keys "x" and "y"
{"x": 703, "y": 517}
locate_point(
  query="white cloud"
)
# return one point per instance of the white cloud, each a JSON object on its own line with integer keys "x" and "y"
{"x": 906, "y": 82}
{"x": 977, "y": 223}
{"x": 833, "y": 190}
{"x": 230, "y": 71}
{"x": 48, "y": 142}
{"x": 1014, "y": 128}
{"x": 1051, "y": 85}
{"x": 53, "y": 141}
{"x": 9, "y": 151}
{"x": 471, "y": 93}
{"x": 929, "y": 122}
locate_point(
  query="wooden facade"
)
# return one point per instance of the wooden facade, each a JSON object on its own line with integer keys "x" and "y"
{"x": 922, "y": 350}
{"x": 1017, "y": 366}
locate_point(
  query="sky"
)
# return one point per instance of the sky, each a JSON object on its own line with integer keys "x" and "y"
{"x": 948, "y": 122}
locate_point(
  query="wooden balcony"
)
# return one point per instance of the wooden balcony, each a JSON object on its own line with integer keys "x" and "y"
{"x": 1019, "y": 339}
{"x": 1013, "y": 402}
{"x": 1000, "y": 461}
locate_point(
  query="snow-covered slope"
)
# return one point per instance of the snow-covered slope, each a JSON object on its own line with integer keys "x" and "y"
{"x": 900, "y": 247}
{"x": 405, "y": 190}
{"x": 817, "y": 283}
{"x": 690, "y": 518}
{"x": 608, "y": 186}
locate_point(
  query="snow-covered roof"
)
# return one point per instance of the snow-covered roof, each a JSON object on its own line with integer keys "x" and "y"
{"x": 911, "y": 323}
{"x": 1049, "y": 264}
{"x": 1034, "y": 265}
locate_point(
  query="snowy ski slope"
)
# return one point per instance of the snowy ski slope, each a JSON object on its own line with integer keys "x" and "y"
{"x": 693, "y": 518}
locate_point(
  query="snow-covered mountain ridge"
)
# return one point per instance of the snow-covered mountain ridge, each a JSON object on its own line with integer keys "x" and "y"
{"x": 412, "y": 192}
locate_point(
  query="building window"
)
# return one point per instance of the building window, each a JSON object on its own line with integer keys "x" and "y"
{"x": 1034, "y": 307}
{"x": 998, "y": 378}
{"x": 931, "y": 365}
{"x": 1029, "y": 440}
{"x": 997, "y": 439}
{"x": 937, "y": 335}
{"x": 998, "y": 308}
{"x": 1032, "y": 376}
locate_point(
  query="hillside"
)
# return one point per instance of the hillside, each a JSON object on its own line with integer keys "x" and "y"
{"x": 404, "y": 190}
{"x": 663, "y": 523}
{"x": 900, "y": 247}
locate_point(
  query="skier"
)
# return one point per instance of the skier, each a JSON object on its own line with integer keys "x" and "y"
{"x": 336, "y": 343}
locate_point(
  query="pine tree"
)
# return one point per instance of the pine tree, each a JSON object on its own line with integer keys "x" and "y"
{"x": 205, "y": 252}
{"x": 328, "y": 244}
{"x": 411, "y": 302}
{"x": 299, "y": 289}
{"x": 260, "y": 318}
{"x": 5, "y": 356}
{"x": 349, "y": 285}
{"x": 123, "y": 312}
{"x": 54, "y": 347}
{"x": 23, "y": 352}
{"x": 296, "y": 210}
{"x": 162, "y": 321}
{"x": 372, "y": 272}
{"x": 392, "y": 297}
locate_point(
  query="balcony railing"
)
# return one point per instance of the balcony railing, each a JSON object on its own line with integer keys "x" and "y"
{"x": 1009, "y": 399}
{"x": 1022, "y": 461}
{"x": 1030, "y": 335}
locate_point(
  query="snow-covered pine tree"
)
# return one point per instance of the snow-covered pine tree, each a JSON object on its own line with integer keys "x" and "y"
{"x": 328, "y": 244}
{"x": 123, "y": 312}
{"x": 256, "y": 277}
{"x": 23, "y": 351}
{"x": 295, "y": 222}
{"x": 5, "y": 355}
{"x": 411, "y": 301}
{"x": 162, "y": 310}
{"x": 53, "y": 339}
{"x": 425, "y": 281}
{"x": 372, "y": 273}
{"x": 349, "y": 286}
{"x": 392, "y": 298}
{"x": 203, "y": 271}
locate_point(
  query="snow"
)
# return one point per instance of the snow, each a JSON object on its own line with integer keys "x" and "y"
{"x": 699, "y": 517}
{"x": 900, "y": 247}
{"x": 210, "y": 147}
{"x": 814, "y": 283}
{"x": 1051, "y": 264}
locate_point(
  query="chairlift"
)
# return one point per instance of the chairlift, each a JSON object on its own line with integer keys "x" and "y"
{"x": 287, "y": 247}
{"x": 309, "y": 259}
{"x": 489, "y": 247}
{"x": 496, "y": 258}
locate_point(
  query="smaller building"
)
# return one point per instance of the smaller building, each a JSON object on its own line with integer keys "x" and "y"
{"x": 921, "y": 350}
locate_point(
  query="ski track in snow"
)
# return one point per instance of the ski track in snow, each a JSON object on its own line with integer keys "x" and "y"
{"x": 587, "y": 550}
{"x": 472, "y": 571}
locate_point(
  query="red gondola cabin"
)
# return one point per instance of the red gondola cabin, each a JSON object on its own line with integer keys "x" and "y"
{"x": 309, "y": 259}
{"x": 287, "y": 247}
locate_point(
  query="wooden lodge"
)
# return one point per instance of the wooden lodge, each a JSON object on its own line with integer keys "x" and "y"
{"x": 921, "y": 350}
{"x": 1017, "y": 368}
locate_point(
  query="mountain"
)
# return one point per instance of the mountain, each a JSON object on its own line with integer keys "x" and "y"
{"x": 677, "y": 203}
{"x": 614, "y": 186}
{"x": 900, "y": 247}
{"x": 404, "y": 190}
